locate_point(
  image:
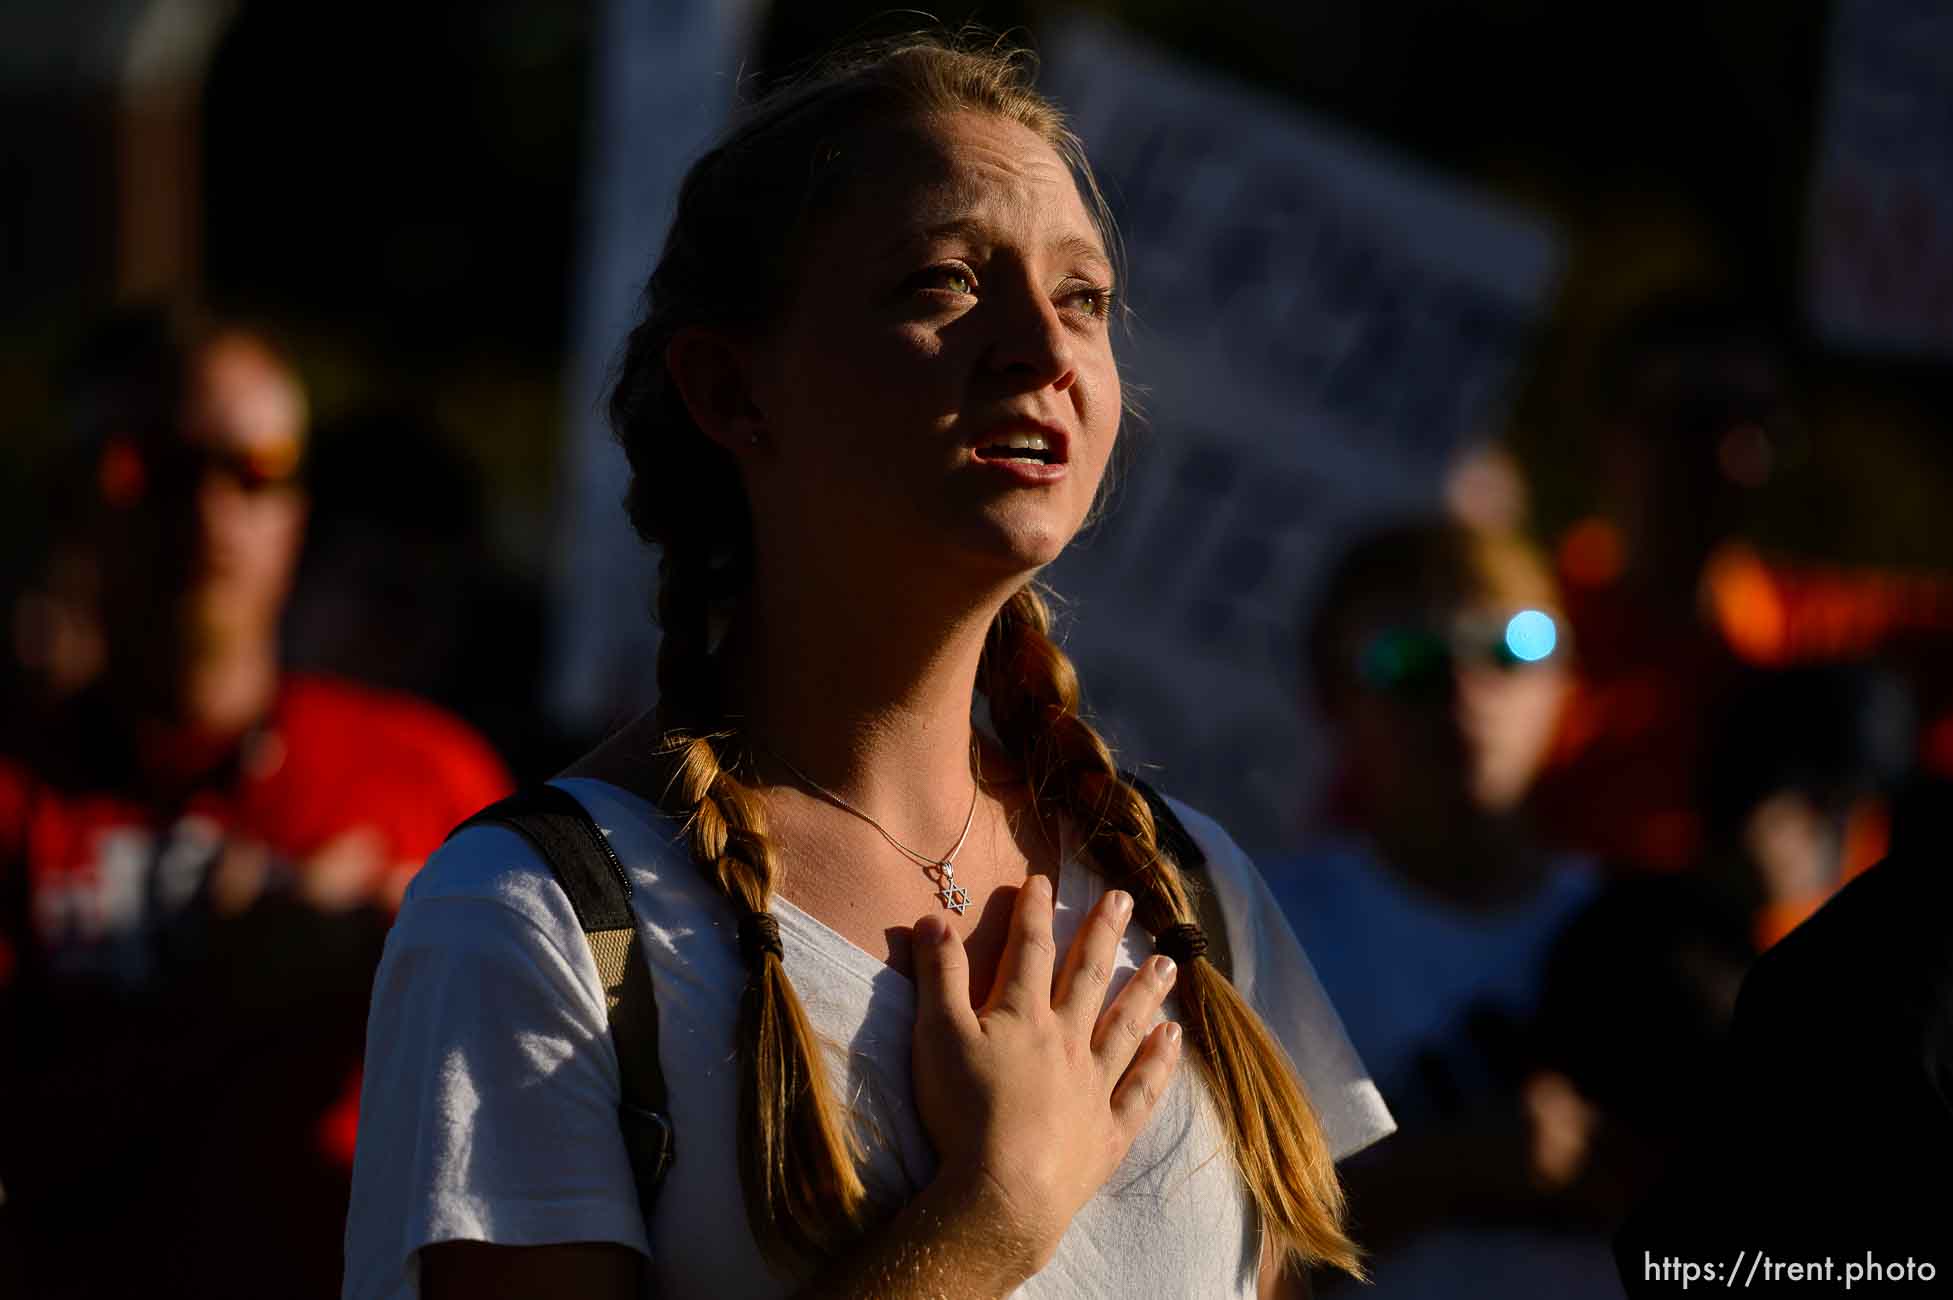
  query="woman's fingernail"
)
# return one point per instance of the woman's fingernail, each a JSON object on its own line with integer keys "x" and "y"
{"x": 1121, "y": 903}
{"x": 1165, "y": 969}
{"x": 931, "y": 929}
{"x": 1172, "y": 1034}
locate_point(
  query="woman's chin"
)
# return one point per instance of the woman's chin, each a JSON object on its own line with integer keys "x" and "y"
{"x": 1019, "y": 549}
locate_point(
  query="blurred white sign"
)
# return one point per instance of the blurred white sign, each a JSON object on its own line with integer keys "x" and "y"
{"x": 662, "y": 84}
{"x": 1881, "y": 247}
{"x": 1321, "y": 327}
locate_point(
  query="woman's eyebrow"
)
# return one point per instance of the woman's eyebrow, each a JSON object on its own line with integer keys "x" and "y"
{"x": 1080, "y": 249}
{"x": 1073, "y": 247}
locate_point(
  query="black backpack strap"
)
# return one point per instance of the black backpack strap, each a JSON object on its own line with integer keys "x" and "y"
{"x": 1179, "y": 844}
{"x": 600, "y": 893}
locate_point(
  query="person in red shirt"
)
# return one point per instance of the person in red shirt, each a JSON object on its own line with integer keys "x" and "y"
{"x": 199, "y": 856}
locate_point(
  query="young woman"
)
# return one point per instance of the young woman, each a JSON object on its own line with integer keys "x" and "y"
{"x": 872, "y": 394}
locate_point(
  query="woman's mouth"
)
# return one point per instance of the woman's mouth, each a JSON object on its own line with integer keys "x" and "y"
{"x": 1032, "y": 448}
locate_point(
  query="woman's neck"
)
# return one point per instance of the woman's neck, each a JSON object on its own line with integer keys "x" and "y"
{"x": 869, "y": 697}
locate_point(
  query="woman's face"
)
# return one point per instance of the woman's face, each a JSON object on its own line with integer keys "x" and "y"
{"x": 955, "y": 295}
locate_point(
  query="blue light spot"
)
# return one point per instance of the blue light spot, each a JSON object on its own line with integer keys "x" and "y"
{"x": 1531, "y": 635}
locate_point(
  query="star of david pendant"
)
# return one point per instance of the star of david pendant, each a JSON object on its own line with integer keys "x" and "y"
{"x": 954, "y": 896}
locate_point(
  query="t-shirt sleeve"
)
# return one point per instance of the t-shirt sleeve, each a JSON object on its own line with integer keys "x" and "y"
{"x": 489, "y": 1105}
{"x": 1279, "y": 982}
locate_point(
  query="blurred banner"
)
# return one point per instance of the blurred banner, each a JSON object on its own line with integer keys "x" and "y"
{"x": 1880, "y": 271}
{"x": 1321, "y": 328}
{"x": 663, "y": 80}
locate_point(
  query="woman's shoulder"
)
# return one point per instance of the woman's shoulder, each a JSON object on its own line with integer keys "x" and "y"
{"x": 494, "y": 863}
{"x": 1228, "y": 869}
{"x": 483, "y": 862}
{"x": 1203, "y": 828}
{"x": 1276, "y": 976}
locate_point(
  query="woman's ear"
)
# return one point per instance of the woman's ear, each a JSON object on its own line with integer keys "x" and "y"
{"x": 713, "y": 374}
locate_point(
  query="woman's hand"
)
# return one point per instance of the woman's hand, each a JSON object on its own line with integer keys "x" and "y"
{"x": 1033, "y": 1100}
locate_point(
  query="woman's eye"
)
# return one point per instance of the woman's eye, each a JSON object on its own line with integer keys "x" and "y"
{"x": 956, "y": 279}
{"x": 1092, "y": 300}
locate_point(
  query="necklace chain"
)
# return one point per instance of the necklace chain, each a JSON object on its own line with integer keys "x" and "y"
{"x": 954, "y": 897}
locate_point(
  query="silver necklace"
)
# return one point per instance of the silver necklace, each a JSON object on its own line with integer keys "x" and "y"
{"x": 942, "y": 870}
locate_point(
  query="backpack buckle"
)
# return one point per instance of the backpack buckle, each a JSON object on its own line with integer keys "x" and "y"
{"x": 648, "y": 1139}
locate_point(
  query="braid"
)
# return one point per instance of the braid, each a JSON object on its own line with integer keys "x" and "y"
{"x": 742, "y": 213}
{"x": 797, "y": 1152}
{"x": 1277, "y": 1140}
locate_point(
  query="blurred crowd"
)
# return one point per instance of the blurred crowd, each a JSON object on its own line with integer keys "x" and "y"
{"x": 201, "y": 841}
{"x": 1578, "y": 793}
{"x": 256, "y": 671}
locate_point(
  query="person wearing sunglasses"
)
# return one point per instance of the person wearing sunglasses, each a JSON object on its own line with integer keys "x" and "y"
{"x": 1438, "y": 659}
{"x": 199, "y": 852}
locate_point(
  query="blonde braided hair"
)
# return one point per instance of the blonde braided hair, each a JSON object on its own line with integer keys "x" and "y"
{"x": 798, "y": 1153}
{"x": 1277, "y": 1142}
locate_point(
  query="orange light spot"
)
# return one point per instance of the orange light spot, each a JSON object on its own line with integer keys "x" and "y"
{"x": 1746, "y": 604}
{"x": 1868, "y": 837}
{"x": 1775, "y": 920}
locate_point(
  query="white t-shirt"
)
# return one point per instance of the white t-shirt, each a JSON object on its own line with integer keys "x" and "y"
{"x": 491, "y": 1088}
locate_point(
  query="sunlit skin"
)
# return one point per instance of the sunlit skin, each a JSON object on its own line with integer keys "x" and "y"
{"x": 960, "y": 284}
{"x": 957, "y": 281}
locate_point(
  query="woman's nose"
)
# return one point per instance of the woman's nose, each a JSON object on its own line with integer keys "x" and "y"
{"x": 1032, "y": 347}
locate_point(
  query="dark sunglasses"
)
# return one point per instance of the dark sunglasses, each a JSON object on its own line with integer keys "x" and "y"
{"x": 132, "y": 472}
{"x": 1420, "y": 657}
